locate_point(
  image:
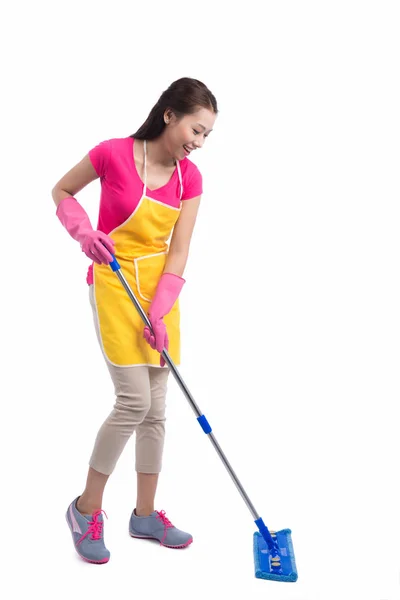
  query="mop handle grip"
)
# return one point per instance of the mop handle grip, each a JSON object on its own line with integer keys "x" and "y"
{"x": 114, "y": 263}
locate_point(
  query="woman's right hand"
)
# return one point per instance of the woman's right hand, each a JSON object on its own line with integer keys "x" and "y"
{"x": 97, "y": 246}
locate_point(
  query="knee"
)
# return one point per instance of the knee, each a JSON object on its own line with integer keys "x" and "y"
{"x": 134, "y": 406}
{"x": 156, "y": 416}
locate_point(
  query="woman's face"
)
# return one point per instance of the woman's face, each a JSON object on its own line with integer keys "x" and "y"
{"x": 189, "y": 133}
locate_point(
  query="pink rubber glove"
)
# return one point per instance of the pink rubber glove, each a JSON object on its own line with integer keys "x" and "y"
{"x": 167, "y": 292}
{"x": 95, "y": 244}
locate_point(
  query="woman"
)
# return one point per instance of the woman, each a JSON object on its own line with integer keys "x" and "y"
{"x": 149, "y": 189}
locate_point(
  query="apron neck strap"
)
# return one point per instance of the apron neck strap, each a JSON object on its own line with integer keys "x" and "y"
{"x": 145, "y": 169}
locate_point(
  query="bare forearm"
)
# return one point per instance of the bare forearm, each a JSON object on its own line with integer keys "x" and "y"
{"x": 75, "y": 180}
{"x": 176, "y": 262}
{"x": 58, "y": 194}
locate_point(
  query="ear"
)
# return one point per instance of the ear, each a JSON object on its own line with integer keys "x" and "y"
{"x": 168, "y": 116}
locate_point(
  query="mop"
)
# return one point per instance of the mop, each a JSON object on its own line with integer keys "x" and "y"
{"x": 273, "y": 550}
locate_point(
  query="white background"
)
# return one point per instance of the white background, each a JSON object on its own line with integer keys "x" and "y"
{"x": 290, "y": 314}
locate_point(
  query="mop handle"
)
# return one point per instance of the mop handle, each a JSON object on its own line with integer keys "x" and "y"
{"x": 200, "y": 417}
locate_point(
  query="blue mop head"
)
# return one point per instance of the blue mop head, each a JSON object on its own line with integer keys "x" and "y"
{"x": 265, "y": 567}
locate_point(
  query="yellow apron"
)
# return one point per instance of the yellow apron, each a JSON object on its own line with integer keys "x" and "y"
{"x": 141, "y": 249}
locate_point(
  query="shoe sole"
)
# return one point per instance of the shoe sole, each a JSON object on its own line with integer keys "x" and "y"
{"x": 147, "y": 537}
{"x": 93, "y": 562}
{"x": 89, "y": 560}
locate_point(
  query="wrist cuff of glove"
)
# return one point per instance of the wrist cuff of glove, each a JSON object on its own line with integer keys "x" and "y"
{"x": 168, "y": 290}
{"x": 172, "y": 275}
{"x": 74, "y": 218}
{"x": 64, "y": 204}
{"x": 171, "y": 282}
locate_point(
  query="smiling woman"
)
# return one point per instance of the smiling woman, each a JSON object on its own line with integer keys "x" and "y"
{"x": 188, "y": 148}
{"x": 149, "y": 189}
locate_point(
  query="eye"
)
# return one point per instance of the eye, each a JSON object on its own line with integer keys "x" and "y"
{"x": 196, "y": 132}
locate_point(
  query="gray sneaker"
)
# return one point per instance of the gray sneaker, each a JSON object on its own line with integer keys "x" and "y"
{"x": 157, "y": 527}
{"x": 87, "y": 534}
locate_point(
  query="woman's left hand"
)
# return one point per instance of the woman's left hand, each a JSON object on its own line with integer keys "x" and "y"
{"x": 159, "y": 340}
{"x": 167, "y": 293}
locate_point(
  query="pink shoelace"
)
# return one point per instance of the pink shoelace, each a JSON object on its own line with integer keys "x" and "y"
{"x": 161, "y": 516}
{"x": 95, "y": 527}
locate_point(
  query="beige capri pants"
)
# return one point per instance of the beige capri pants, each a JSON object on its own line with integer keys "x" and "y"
{"x": 140, "y": 393}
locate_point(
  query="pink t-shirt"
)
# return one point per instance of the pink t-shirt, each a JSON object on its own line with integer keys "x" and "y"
{"x": 122, "y": 188}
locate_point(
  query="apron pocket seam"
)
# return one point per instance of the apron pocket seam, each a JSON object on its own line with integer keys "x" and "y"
{"x": 136, "y": 260}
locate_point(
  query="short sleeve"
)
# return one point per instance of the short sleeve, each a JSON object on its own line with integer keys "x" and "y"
{"x": 100, "y": 157}
{"x": 192, "y": 183}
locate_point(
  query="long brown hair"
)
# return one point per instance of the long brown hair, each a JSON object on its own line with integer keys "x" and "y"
{"x": 183, "y": 97}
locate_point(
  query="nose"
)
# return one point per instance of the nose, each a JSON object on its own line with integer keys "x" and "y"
{"x": 198, "y": 143}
